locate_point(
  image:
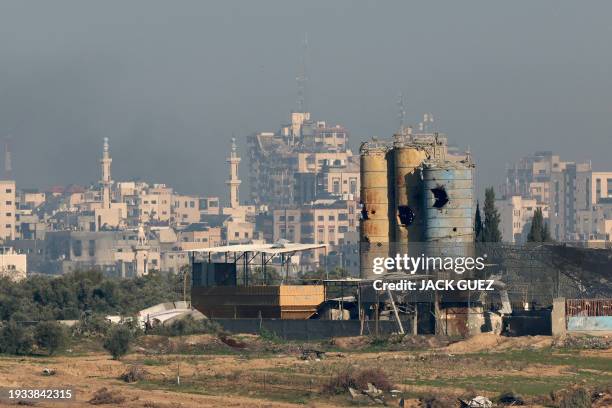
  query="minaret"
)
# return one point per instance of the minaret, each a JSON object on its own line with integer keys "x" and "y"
{"x": 234, "y": 181}
{"x": 106, "y": 176}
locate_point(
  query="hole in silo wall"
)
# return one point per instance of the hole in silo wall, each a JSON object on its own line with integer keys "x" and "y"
{"x": 440, "y": 196}
{"x": 406, "y": 215}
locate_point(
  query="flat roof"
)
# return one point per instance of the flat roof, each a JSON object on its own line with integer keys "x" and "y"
{"x": 263, "y": 248}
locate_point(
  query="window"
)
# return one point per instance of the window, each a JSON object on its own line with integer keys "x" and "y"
{"x": 77, "y": 248}
{"x": 332, "y": 218}
{"x": 92, "y": 247}
{"x": 291, "y": 218}
{"x": 8, "y": 190}
{"x": 9, "y": 203}
{"x": 336, "y": 186}
{"x": 192, "y": 204}
{"x": 236, "y": 234}
{"x": 320, "y": 218}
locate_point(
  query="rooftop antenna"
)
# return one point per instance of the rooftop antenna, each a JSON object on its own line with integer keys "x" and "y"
{"x": 8, "y": 159}
{"x": 401, "y": 111}
{"x": 427, "y": 120}
{"x": 302, "y": 78}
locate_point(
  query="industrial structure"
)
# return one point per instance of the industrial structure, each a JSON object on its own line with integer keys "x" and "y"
{"x": 414, "y": 194}
{"x": 223, "y": 285}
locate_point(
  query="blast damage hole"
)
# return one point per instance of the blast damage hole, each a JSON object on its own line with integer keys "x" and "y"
{"x": 440, "y": 196}
{"x": 406, "y": 215}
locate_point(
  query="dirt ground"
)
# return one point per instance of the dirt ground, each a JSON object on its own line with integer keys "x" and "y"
{"x": 251, "y": 372}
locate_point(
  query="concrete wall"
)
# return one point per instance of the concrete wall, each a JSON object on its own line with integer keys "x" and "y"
{"x": 311, "y": 329}
{"x": 589, "y": 323}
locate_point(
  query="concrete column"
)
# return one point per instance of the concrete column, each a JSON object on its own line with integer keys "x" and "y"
{"x": 559, "y": 326}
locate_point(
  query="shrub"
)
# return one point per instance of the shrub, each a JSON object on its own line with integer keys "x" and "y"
{"x": 186, "y": 326}
{"x": 15, "y": 339}
{"x": 575, "y": 398}
{"x": 51, "y": 336}
{"x": 134, "y": 373}
{"x": 358, "y": 379}
{"x": 92, "y": 326}
{"x": 117, "y": 342}
{"x": 106, "y": 396}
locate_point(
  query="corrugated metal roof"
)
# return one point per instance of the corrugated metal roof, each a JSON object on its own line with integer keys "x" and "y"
{"x": 263, "y": 248}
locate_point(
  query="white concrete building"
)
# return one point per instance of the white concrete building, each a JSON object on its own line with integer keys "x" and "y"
{"x": 516, "y": 214}
{"x": 13, "y": 265}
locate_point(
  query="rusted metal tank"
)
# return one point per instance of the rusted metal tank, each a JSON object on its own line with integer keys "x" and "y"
{"x": 408, "y": 191}
{"x": 374, "y": 224}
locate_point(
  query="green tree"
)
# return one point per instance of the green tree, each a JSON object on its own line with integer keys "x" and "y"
{"x": 539, "y": 231}
{"x": 117, "y": 342}
{"x": 51, "y": 336}
{"x": 478, "y": 224}
{"x": 490, "y": 231}
{"x": 15, "y": 339}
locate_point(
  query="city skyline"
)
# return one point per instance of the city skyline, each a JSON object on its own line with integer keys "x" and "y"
{"x": 504, "y": 93}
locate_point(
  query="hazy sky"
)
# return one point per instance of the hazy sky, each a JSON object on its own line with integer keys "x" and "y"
{"x": 170, "y": 82}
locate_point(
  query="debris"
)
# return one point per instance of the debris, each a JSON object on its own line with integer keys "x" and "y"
{"x": 477, "y": 402}
{"x": 372, "y": 391}
{"x": 48, "y": 371}
{"x": 357, "y": 396}
{"x": 585, "y": 342}
{"x": 311, "y": 354}
{"x": 510, "y": 398}
{"x": 232, "y": 342}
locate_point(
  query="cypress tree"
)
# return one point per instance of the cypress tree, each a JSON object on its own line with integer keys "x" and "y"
{"x": 539, "y": 231}
{"x": 477, "y": 224}
{"x": 490, "y": 231}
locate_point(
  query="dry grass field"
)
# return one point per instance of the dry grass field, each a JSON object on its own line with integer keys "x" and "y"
{"x": 249, "y": 371}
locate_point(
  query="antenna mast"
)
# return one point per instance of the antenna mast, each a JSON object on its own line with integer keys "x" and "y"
{"x": 8, "y": 159}
{"x": 302, "y": 78}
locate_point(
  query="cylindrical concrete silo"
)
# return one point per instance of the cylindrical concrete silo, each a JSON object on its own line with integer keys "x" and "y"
{"x": 448, "y": 204}
{"x": 407, "y": 209}
{"x": 374, "y": 225}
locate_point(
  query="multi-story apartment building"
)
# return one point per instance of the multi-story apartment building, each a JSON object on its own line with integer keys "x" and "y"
{"x": 202, "y": 234}
{"x": 185, "y": 209}
{"x": 7, "y": 210}
{"x": 278, "y": 159}
{"x": 209, "y": 206}
{"x": 577, "y": 197}
{"x": 321, "y": 222}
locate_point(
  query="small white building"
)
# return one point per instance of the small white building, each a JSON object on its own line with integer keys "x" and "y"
{"x": 13, "y": 265}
